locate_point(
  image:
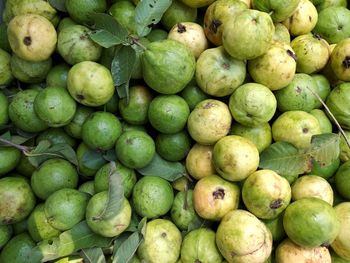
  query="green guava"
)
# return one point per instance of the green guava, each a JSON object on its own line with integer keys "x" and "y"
{"x": 5, "y": 68}
{"x": 280, "y": 9}
{"x": 341, "y": 244}
{"x": 338, "y": 102}
{"x": 178, "y": 12}
{"x": 18, "y": 249}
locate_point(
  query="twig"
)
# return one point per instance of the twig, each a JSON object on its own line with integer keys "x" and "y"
{"x": 332, "y": 116}
{"x": 24, "y": 149}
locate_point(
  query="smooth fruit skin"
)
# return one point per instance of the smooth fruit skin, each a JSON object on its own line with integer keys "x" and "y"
{"x": 338, "y": 102}
{"x": 5, "y": 69}
{"x": 111, "y": 226}
{"x": 9, "y": 159}
{"x": 18, "y": 249}
{"x": 17, "y": 199}
{"x": 242, "y": 237}
{"x": 176, "y": 13}
{"x": 161, "y": 243}
{"x": 342, "y": 182}
{"x": 6, "y": 232}
{"x": 81, "y": 11}
{"x": 311, "y": 222}
{"x": 32, "y": 37}
{"x": 280, "y": 9}
{"x": 341, "y": 244}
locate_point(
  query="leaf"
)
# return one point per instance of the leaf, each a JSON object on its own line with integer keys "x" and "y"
{"x": 42, "y": 146}
{"x": 60, "y": 5}
{"x": 93, "y": 255}
{"x": 196, "y": 223}
{"x": 6, "y": 136}
{"x": 325, "y": 148}
{"x": 127, "y": 249}
{"x": 115, "y": 195}
{"x": 68, "y": 242}
{"x": 167, "y": 170}
{"x": 123, "y": 65}
{"x": 105, "y": 38}
{"x": 134, "y": 223}
{"x": 93, "y": 159}
{"x": 110, "y": 24}
{"x": 142, "y": 226}
{"x": 19, "y": 139}
{"x": 123, "y": 91}
{"x": 119, "y": 240}
{"x": 285, "y": 159}
{"x": 149, "y": 13}
{"x": 110, "y": 155}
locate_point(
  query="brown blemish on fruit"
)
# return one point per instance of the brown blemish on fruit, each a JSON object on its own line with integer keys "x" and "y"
{"x": 226, "y": 65}
{"x": 208, "y": 105}
{"x": 292, "y": 54}
{"x": 80, "y": 97}
{"x": 305, "y": 130}
{"x": 163, "y": 234}
{"x": 276, "y": 204}
{"x": 219, "y": 194}
{"x": 299, "y": 89}
{"x": 197, "y": 261}
{"x": 181, "y": 28}
{"x": 310, "y": 18}
{"x": 27, "y": 41}
{"x": 346, "y": 62}
{"x": 215, "y": 25}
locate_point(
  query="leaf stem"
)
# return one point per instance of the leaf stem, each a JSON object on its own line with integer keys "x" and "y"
{"x": 22, "y": 148}
{"x": 136, "y": 41}
{"x": 332, "y": 116}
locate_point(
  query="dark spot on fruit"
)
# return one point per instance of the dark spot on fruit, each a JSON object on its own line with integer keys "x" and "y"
{"x": 226, "y": 65}
{"x": 129, "y": 141}
{"x": 317, "y": 36}
{"x": 197, "y": 261}
{"x": 346, "y": 62}
{"x": 340, "y": 27}
{"x": 219, "y": 194}
{"x": 305, "y": 130}
{"x": 82, "y": 37}
{"x": 151, "y": 6}
{"x": 80, "y": 97}
{"x": 208, "y": 105}
{"x": 310, "y": 18}
{"x": 249, "y": 115}
{"x": 27, "y": 41}
{"x": 151, "y": 25}
{"x": 163, "y": 234}
{"x": 325, "y": 244}
{"x": 7, "y": 221}
{"x": 276, "y": 204}
{"x": 215, "y": 25}
{"x": 181, "y": 28}
{"x": 292, "y": 54}
{"x": 299, "y": 89}
{"x": 233, "y": 254}
{"x": 50, "y": 242}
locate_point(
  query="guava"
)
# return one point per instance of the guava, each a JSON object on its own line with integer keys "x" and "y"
{"x": 74, "y": 45}
{"x": 281, "y": 34}
{"x": 338, "y": 102}
{"x": 32, "y": 37}
{"x": 85, "y": 166}
{"x": 65, "y": 22}
{"x": 328, "y": 3}
{"x": 176, "y": 13}
{"x": 192, "y": 94}
{"x": 21, "y": 7}
{"x": 5, "y": 234}
{"x": 158, "y": 34}
{"x": 101, "y": 180}
{"x": 312, "y": 186}
{"x": 303, "y": 20}
{"x": 261, "y": 199}
{"x": 30, "y": 71}
{"x": 295, "y": 127}
{"x": 74, "y": 127}
{"x": 340, "y": 60}
{"x": 342, "y": 182}
{"x": 38, "y": 226}
{"x": 199, "y": 246}
{"x": 344, "y": 148}
{"x": 260, "y": 135}
{"x": 341, "y": 244}
{"x": 214, "y": 197}
{"x": 52, "y": 175}
{"x": 276, "y": 68}
{"x": 312, "y": 52}
{"x": 9, "y": 159}
{"x": 217, "y": 73}
{"x": 182, "y": 210}
{"x": 287, "y": 251}
{"x": 90, "y": 83}
{"x": 252, "y": 104}
{"x": 87, "y": 187}
{"x": 82, "y": 11}
{"x": 248, "y": 34}
{"x": 323, "y": 86}
{"x": 168, "y": 66}
{"x": 298, "y": 94}
{"x": 101, "y": 130}
{"x": 217, "y": 15}
{"x": 173, "y": 147}
{"x": 55, "y": 106}
{"x": 275, "y": 226}
{"x": 111, "y": 226}
{"x": 311, "y": 222}
{"x": 57, "y": 76}
{"x": 65, "y": 208}
{"x": 197, "y": 3}
{"x": 199, "y": 161}
{"x": 17, "y": 199}
{"x": 18, "y": 249}
{"x": 190, "y": 34}
{"x": 4, "y": 107}
{"x": 242, "y": 237}
{"x": 338, "y": 259}
{"x": 333, "y": 24}
{"x": 209, "y": 121}
{"x": 5, "y": 68}
{"x": 280, "y": 9}
{"x": 326, "y": 171}
{"x": 235, "y": 157}
{"x": 124, "y": 13}
{"x": 161, "y": 243}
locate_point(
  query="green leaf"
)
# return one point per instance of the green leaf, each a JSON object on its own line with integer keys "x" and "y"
{"x": 110, "y": 155}
{"x": 285, "y": 159}
{"x": 93, "y": 255}
{"x": 79, "y": 237}
{"x": 60, "y": 5}
{"x": 142, "y": 226}
{"x": 149, "y": 13}
{"x": 123, "y": 91}
{"x": 110, "y": 24}
{"x": 134, "y": 223}
{"x": 162, "y": 168}
{"x": 115, "y": 195}
{"x": 120, "y": 240}
{"x": 105, "y": 38}
{"x": 123, "y": 65}
{"x": 196, "y": 223}
{"x": 42, "y": 146}
{"x": 93, "y": 159}
{"x": 6, "y": 136}
{"x": 19, "y": 139}
{"x": 127, "y": 249}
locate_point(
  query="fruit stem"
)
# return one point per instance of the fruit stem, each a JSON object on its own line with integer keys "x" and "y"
{"x": 17, "y": 146}
{"x": 135, "y": 41}
{"x": 332, "y": 116}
